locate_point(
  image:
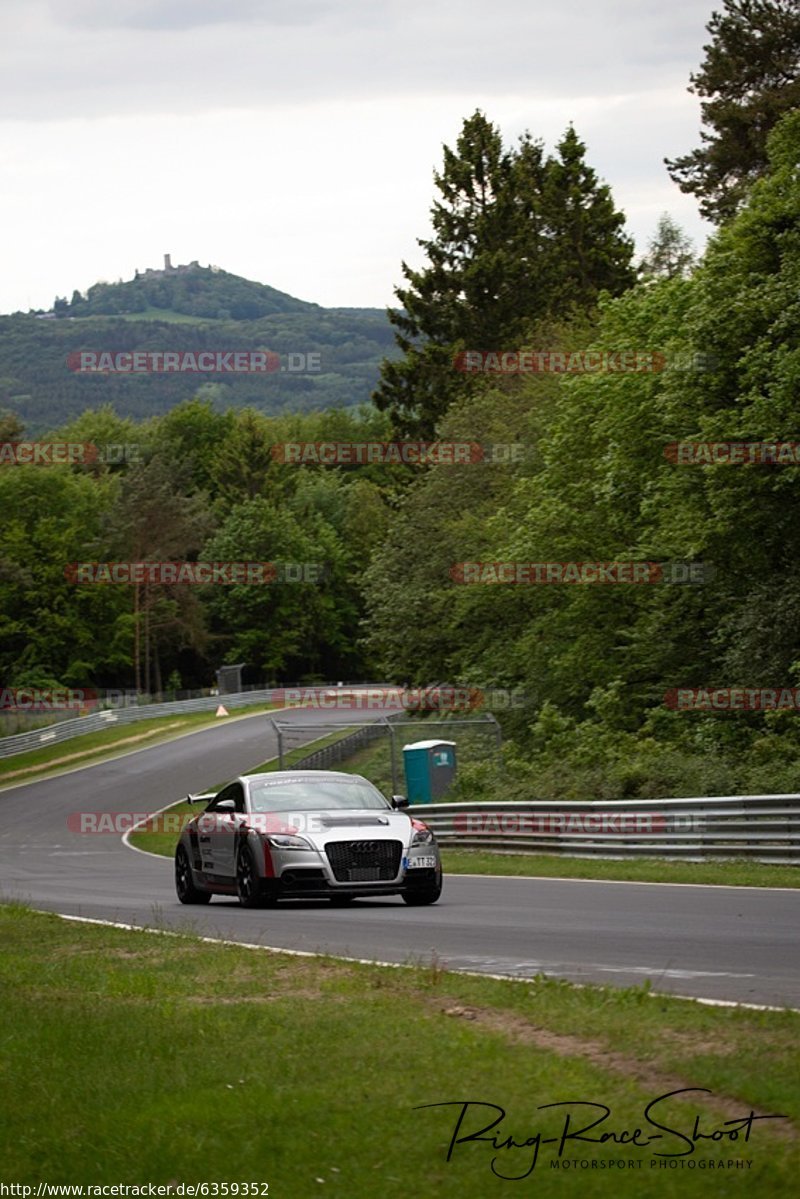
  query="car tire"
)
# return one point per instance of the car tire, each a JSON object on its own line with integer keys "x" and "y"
{"x": 184, "y": 883}
{"x": 424, "y": 895}
{"x": 341, "y": 901}
{"x": 248, "y": 883}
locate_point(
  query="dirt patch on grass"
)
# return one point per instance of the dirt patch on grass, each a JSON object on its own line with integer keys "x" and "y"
{"x": 694, "y": 1043}
{"x": 231, "y": 1000}
{"x": 520, "y": 1031}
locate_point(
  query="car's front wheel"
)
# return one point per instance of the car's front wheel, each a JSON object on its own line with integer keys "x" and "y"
{"x": 184, "y": 883}
{"x": 422, "y": 895}
{"x": 248, "y": 883}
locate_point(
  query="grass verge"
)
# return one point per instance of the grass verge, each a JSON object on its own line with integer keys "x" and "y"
{"x": 136, "y": 1057}
{"x": 739, "y": 872}
{"x": 92, "y": 747}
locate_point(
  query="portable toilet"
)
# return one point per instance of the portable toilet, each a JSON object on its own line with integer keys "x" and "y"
{"x": 430, "y": 769}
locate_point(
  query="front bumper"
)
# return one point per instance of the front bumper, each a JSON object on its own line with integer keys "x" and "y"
{"x": 337, "y": 871}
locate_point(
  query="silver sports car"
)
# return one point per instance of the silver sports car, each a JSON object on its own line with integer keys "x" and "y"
{"x": 306, "y": 834}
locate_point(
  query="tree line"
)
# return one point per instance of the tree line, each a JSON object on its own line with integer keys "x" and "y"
{"x": 528, "y": 252}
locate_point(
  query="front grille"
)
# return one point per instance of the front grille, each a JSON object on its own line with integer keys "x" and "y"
{"x": 304, "y": 880}
{"x": 364, "y": 861}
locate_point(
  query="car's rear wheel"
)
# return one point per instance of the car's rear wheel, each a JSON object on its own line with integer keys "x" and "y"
{"x": 184, "y": 883}
{"x": 424, "y": 895}
{"x": 248, "y": 884}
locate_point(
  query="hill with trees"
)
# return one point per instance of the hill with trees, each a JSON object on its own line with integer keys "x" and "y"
{"x": 187, "y": 309}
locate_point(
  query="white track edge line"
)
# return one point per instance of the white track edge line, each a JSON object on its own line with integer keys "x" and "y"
{"x": 629, "y": 882}
{"x": 307, "y": 953}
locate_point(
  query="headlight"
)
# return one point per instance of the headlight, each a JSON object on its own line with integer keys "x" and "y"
{"x": 422, "y": 836}
{"x": 288, "y": 841}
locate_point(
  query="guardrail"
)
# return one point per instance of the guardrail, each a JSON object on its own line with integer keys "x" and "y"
{"x": 764, "y": 828}
{"x": 19, "y": 743}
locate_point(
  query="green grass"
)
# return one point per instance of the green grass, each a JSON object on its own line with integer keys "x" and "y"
{"x": 135, "y": 1057}
{"x": 739, "y": 872}
{"x": 91, "y": 747}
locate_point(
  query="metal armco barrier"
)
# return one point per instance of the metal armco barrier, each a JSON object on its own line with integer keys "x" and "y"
{"x": 764, "y": 828}
{"x": 65, "y": 730}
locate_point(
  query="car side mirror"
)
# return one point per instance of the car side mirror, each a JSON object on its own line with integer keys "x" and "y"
{"x": 226, "y": 805}
{"x": 399, "y": 801}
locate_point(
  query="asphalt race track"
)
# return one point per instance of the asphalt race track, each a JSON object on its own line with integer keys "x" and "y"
{"x": 721, "y": 943}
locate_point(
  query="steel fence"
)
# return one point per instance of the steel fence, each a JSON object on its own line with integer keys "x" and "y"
{"x": 763, "y": 828}
{"x": 65, "y": 730}
{"x": 339, "y": 751}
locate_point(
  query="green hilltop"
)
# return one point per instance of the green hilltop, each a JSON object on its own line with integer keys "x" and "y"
{"x": 187, "y": 309}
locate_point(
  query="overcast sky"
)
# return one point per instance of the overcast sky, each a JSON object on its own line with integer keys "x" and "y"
{"x": 294, "y": 141}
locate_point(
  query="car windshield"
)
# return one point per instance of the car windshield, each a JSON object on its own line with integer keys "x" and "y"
{"x": 315, "y": 795}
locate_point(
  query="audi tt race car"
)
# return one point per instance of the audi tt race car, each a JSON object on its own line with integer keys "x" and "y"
{"x": 305, "y": 834}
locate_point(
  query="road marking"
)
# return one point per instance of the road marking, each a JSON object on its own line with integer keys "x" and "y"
{"x": 306, "y": 953}
{"x": 562, "y": 968}
{"x": 666, "y": 972}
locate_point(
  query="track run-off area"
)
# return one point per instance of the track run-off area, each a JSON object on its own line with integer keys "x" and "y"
{"x": 725, "y": 944}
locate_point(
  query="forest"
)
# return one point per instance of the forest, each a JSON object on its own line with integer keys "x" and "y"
{"x": 528, "y": 256}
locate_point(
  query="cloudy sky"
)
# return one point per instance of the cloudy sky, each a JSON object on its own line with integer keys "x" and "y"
{"x": 294, "y": 141}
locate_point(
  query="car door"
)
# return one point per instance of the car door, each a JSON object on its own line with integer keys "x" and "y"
{"x": 229, "y": 823}
{"x": 216, "y": 831}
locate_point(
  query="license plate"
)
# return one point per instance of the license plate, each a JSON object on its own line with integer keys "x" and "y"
{"x": 428, "y": 863}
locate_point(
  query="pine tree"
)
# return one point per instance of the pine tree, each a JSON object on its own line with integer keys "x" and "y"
{"x": 749, "y": 78}
{"x": 462, "y": 293}
{"x": 589, "y": 250}
{"x": 517, "y": 239}
{"x": 669, "y": 253}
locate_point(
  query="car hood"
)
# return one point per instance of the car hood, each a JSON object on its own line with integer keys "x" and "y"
{"x": 339, "y": 825}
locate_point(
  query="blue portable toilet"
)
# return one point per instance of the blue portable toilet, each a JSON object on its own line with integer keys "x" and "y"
{"x": 430, "y": 769}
